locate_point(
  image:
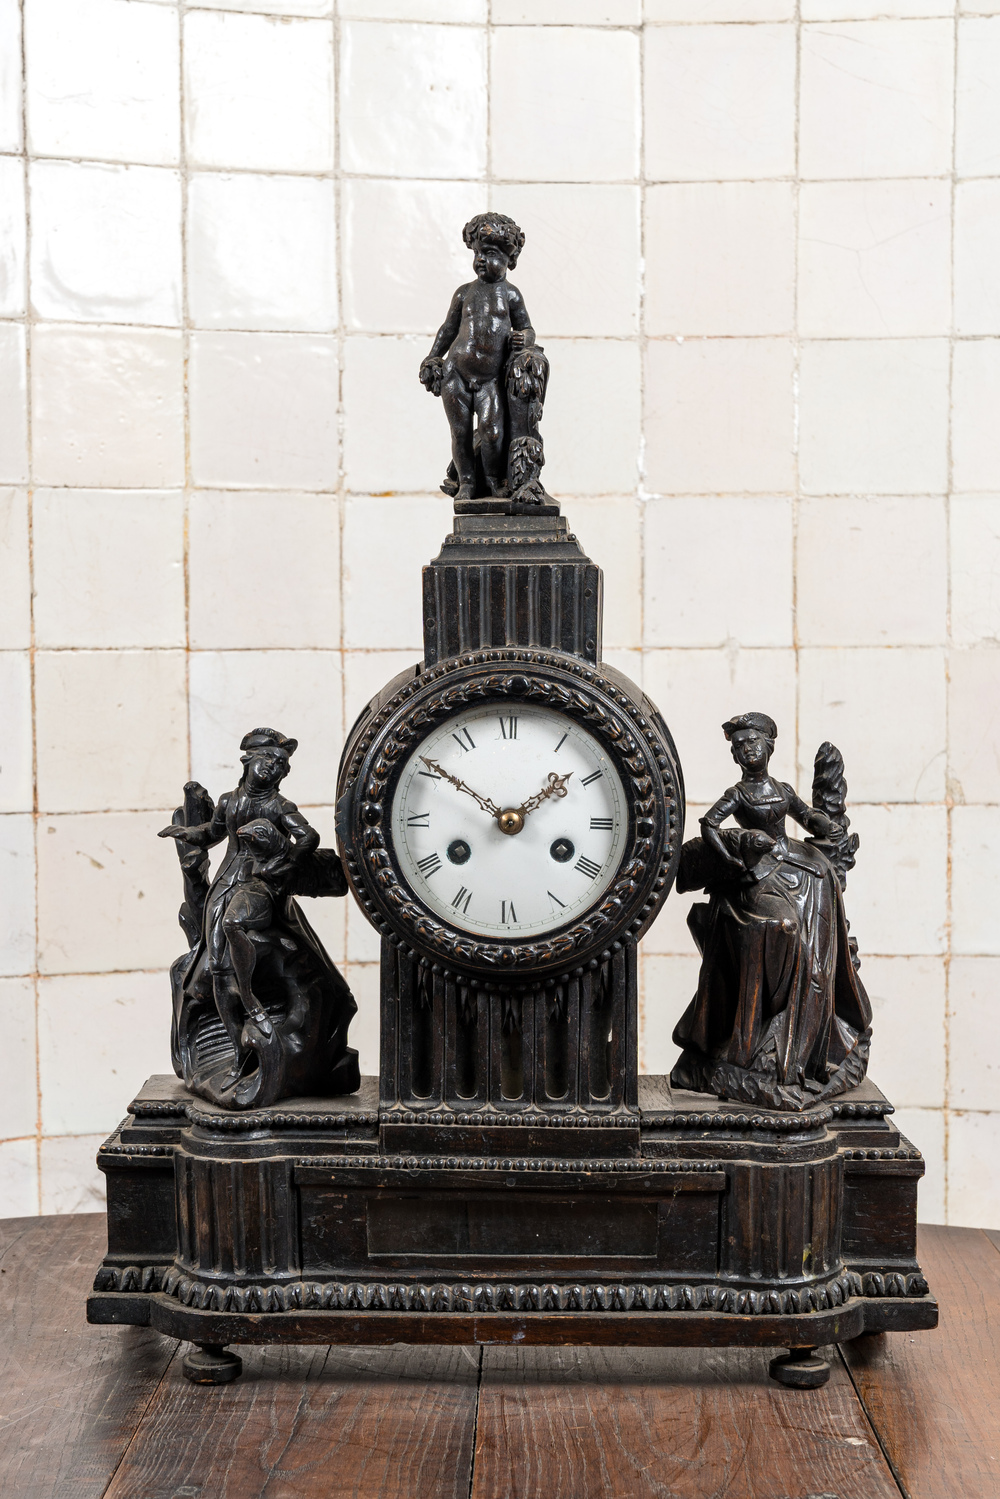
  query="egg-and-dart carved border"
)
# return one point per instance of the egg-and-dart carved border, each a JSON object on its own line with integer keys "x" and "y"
{"x": 647, "y": 867}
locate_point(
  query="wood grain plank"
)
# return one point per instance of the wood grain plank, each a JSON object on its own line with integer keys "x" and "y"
{"x": 590, "y": 1423}
{"x": 993, "y": 1234}
{"x": 932, "y": 1396}
{"x": 304, "y": 1422}
{"x": 71, "y": 1395}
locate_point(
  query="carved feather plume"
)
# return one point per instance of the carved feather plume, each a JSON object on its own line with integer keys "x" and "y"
{"x": 829, "y": 795}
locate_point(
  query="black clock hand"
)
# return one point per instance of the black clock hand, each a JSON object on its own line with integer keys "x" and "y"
{"x": 484, "y": 801}
{"x": 556, "y": 787}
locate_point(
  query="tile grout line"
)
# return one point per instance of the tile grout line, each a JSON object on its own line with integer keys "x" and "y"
{"x": 186, "y": 369}
{"x": 640, "y": 467}
{"x": 340, "y": 497}
{"x": 489, "y": 181}
{"x": 949, "y": 804}
{"x": 796, "y": 388}
{"x": 210, "y": 168}
{"x": 32, "y": 660}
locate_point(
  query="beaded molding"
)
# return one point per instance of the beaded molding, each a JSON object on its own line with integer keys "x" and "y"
{"x": 533, "y": 1119}
{"x": 778, "y": 1123}
{"x": 903, "y": 1153}
{"x": 136, "y": 1150}
{"x": 588, "y": 1167}
{"x": 276, "y": 1119}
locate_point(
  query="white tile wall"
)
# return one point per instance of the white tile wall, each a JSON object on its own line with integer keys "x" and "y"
{"x": 258, "y": 92}
{"x": 102, "y": 80}
{"x": 261, "y": 252}
{"x": 105, "y": 243}
{"x": 763, "y": 250}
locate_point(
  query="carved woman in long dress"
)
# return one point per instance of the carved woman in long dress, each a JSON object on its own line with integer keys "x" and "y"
{"x": 781, "y": 1018}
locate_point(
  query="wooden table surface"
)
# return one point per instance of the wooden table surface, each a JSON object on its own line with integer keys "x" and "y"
{"x": 89, "y": 1411}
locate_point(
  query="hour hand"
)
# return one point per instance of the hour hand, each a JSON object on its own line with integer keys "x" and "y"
{"x": 484, "y": 801}
{"x": 555, "y": 786}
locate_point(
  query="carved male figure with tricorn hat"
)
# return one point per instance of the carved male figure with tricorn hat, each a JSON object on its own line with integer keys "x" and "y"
{"x": 490, "y": 375}
{"x": 238, "y": 1046}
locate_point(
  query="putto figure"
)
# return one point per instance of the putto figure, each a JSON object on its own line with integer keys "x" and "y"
{"x": 260, "y": 1011}
{"x": 491, "y": 377}
{"x": 781, "y": 1018}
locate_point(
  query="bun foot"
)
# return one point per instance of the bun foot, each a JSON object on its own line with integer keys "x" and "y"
{"x": 210, "y": 1363}
{"x": 800, "y": 1369}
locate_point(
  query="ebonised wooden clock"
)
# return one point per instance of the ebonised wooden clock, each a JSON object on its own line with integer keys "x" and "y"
{"x": 510, "y": 819}
{"x": 511, "y": 816}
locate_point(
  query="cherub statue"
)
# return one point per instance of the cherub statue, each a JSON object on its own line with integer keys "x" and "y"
{"x": 491, "y": 377}
{"x": 237, "y": 1045}
{"x": 781, "y": 1018}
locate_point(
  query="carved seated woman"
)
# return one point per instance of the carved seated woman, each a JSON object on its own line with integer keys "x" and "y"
{"x": 781, "y": 1018}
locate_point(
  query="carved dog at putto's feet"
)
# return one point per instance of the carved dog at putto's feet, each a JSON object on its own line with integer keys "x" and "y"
{"x": 260, "y": 1012}
{"x": 781, "y": 1018}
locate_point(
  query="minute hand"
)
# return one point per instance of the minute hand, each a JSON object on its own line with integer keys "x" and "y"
{"x": 484, "y": 801}
{"x": 556, "y": 787}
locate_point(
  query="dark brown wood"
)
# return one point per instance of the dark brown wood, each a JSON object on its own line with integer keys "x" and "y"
{"x": 334, "y": 1422}
{"x": 71, "y": 1396}
{"x": 529, "y": 583}
{"x": 650, "y": 1329}
{"x": 587, "y": 1423}
{"x": 289, "y": 1231}
{"x": 933, "y": 1399}
{"x": 94, "y": 1411}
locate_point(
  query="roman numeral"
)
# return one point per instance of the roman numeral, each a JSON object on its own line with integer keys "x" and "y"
{"x": 461, "y": 742}
{"x": 423, "y": 820}
{"x": 588, "y": 867}
{"x": 595, "y": 775}
{"x": 601, "y": 824}
{"x": 507, "y": 912}
{"x": 555, "y": 899}
{"x": 508, "y": 728}
{"x": 560, "y": 744}
{"x": 431, "y": 775}
{"x": 429, "y": 865}
{"x": 461, "y": 901}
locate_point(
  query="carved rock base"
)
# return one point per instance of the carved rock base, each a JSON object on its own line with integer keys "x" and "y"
{"x": 715, "y": 1226}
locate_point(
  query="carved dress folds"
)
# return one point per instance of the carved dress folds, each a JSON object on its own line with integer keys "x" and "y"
{"x": 778, "y": 996}
{"x": 300, "y": 985}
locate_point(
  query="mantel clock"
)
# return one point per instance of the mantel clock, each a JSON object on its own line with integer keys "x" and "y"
{"x": 510, "y": 818}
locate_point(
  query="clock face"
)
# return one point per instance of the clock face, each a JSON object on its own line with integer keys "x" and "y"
{"x": 532, "y": 771}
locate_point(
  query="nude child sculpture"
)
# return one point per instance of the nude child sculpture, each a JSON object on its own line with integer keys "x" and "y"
{"x": 490, "y": 375}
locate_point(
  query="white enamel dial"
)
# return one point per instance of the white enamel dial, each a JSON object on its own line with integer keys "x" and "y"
{"x": 560, "y": 786}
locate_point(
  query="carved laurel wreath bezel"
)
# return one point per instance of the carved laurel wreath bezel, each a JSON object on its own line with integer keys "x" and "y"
{"x": 533, "y": 678}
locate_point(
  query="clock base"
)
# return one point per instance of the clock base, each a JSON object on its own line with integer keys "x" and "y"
{"x": 301, "y": 1224}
